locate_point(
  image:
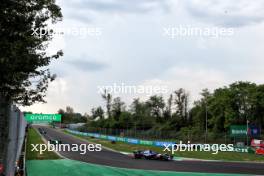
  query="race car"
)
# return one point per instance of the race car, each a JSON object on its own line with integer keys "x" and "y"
{"x": 52, "y": 141}
{"x": 151, "y": 155}
{"x": 42, "y": 131}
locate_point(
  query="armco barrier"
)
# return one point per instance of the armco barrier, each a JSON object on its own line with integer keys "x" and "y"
{"x": 15, "y": 140}
{"x": 122, "y": 139}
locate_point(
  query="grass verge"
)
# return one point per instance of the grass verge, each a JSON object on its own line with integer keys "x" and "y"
{"x": 34, "y": 138}
{"x": 225, "y": 156}
{"x": 67, "y": 167}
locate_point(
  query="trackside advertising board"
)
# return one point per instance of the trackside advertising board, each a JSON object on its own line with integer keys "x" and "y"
{"x": 43, "y": 117}
{"x": 243, "y": 131}
{"x": 122, "y": 139}
{"x": 254, "y": 131}
{"x": 238, "y": 130}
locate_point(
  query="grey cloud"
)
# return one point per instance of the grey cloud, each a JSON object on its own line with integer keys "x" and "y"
{"x": 85, "y": 7}
{"x": 87, "y": 65}
{"x": 85, "y": 18}
{"x": 228, "y": 14}
{"x": 120, "y": 5}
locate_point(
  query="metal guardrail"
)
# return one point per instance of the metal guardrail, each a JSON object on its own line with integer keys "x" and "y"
{"x": 21, "y": 164}
{"x": 14, "y": 141}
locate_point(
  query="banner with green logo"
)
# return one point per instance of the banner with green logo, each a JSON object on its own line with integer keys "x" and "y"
{"x": 43, "y": 117}
{"x": 238, "y": 130}
{"x": 144, "y": 142}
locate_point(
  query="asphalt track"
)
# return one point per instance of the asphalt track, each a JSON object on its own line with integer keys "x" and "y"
{"x": 110, "y": 158}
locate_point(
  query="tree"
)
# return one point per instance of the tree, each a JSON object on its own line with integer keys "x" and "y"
{"x": 156, "y": 105}
{"x": 61, "y": 111}
{"x": 259, "y": 106}
{"x": 24, "y": 76}
{"x": 108, "y": 99}
{"x": 181, "y": 101}
{"x": 125, "y": 120}
{"x": 69, "y": 116}
{"x": 97, "y": 112}
{"x": 232, "y": 105}
{"x": 23, "y": 59}
{"x": 69, "y": 110}
{"x": 168, "y": 113}
{"x": 225, "y": 106}
{"x": 200, "y": 111}
{"x": 140, "y": 113}
{"x": 117, "y": 108}
{"x": 242, "y": 94}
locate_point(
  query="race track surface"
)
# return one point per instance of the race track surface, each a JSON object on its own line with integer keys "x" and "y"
{"x": 110, "y": 158}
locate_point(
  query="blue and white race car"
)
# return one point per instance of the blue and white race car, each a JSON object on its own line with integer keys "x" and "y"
{"x": 151, "y": 155}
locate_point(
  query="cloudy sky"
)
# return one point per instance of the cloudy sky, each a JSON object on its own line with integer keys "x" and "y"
{"x": 128, "y": 45}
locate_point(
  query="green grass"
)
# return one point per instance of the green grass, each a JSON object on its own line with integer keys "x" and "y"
{"x": 226, "y": 156}
{"x": 34, "y": 138}
{"x": 77, "y": 168}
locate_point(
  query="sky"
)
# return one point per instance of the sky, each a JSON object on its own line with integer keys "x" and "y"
{"x": 138, "y": 43}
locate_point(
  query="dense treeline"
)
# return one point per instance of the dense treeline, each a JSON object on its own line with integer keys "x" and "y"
{"x": 69, "y": 116}
{"x": 235, "y": 104}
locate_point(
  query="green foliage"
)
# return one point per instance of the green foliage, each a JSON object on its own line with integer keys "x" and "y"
{"x": 235, "y": 104}
{"x": 69, "y": 116}
{"x": 24, "y": 76}
{"x": 97, "y": 112}
{"x": 108, "y": 98}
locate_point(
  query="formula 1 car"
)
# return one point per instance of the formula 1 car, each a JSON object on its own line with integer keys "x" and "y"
{"x": 55, "y": 142}
{"x": 151, "y": 155}
{"x": 42, "y": 131}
